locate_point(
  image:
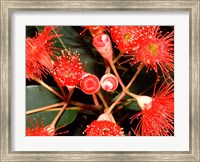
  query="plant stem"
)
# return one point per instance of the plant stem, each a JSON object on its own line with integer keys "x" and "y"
{"x": 53, "y": 124}
{"x": 116, "y": 102}
{"x": 102, "y": 99}
{"x": 95, "y": 107}
{"x": 96, "y": 102}
{"x": 131, "y": 94}
{"x": 126, "y": 90}
{"x": 63, "y": 92}
{"x": 67, "y": 108}
{"x": 44, "y": 108}
{"x": 49, "y": 88}
{"x": 118, "y": 57}
{"x": 105, "y": 105}
{"x": 60, "y": 40}
{"x": 135, "y": 76}
{"x": 117, "y": 75}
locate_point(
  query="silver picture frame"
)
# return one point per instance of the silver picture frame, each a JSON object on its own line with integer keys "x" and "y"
{"x": 193, "y": 6}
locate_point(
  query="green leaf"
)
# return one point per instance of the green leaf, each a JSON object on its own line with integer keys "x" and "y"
{"x": 37, "y": 96}
{"x": 67, "y": 117}
{"x": 132, "y": 105}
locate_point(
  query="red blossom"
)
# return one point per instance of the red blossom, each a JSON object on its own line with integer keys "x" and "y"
{"x": 126, "y": 37}
{"x": 67, "y": 70}
{"x": 157, "y": 116}
{"x": 39, "y": 51}
{"x": 103, "y": 128}
{"x": 156, "y": 51}
{"x": 39, "y": 129}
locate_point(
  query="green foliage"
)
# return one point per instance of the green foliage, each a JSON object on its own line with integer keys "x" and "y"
{"x": 38, "y": 96}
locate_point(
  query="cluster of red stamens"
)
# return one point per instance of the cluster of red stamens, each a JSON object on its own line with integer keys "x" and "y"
{"x": 39, "y": 51}
{"x": 127, "y": 37}
{"x": 157, "y": 116}
{"x": 38, "y": 129}
{"x": 67, "y": 70}
{"x": 103, "y": 126}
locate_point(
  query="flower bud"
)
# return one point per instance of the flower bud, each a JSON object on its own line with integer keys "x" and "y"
{"x": 95, "y": 30}
{"x": 144, "y": 102}
{"x": 109, "y": 82}
{"x": 103, "y": 45}
{"x": 89, "y": 84}
{"x": 104, "y": 116}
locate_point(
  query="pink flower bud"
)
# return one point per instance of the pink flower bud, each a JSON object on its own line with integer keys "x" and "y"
{"x": 104, "y": 116}
{"x": 95, "y": 30}
{"x": 144, "y": 102}
{"x": 103, "y": 45}
{"x": 109, "y": 82}
{"x": 89, "y": 84}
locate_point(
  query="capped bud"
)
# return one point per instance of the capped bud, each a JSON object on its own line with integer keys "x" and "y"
{"x": 103, "y": 45}
{"x": 104, "y": 116}
{"x": 109, "y": 82}
{"x": 89, "y": 84}
{"x": 144, "y": 102}
{"x": 95, "y": 30}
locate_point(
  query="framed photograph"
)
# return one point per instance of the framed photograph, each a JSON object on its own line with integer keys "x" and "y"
{"x": 100, "y": 81}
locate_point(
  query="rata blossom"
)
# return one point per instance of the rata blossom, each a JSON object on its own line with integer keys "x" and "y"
{"x": 157, "y": 115}
{"x": 126, "y": 37}
{"x": 67, "y": 70}
{"x": 103, "y": 126}
{"x": 39, "y": 51}
{"x": 156, "y": 52}
{"x": 39, "y": 129}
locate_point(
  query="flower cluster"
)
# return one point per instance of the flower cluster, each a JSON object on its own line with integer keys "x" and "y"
{"x": 67, "y": 70}
{"x": 128, "y": 38}
{"x": 147, "y": 45}
{"x": 39, "y": 51}
{"x": 103, "y": 126}
{"x": 111, "y": 91}
{"x": 157, "y": 115}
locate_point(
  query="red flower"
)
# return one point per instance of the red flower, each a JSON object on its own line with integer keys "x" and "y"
{"x": 68, "y": 70}
{"x": 39, "y": 51}
{"x": 89, "y": 84}
{"x": 126, "y": 37}
{"x": 156, "y": 51}
{"x": 39, "y": 129}
{"x": 103, "y": 128}
{"x": 157, "y": 115}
